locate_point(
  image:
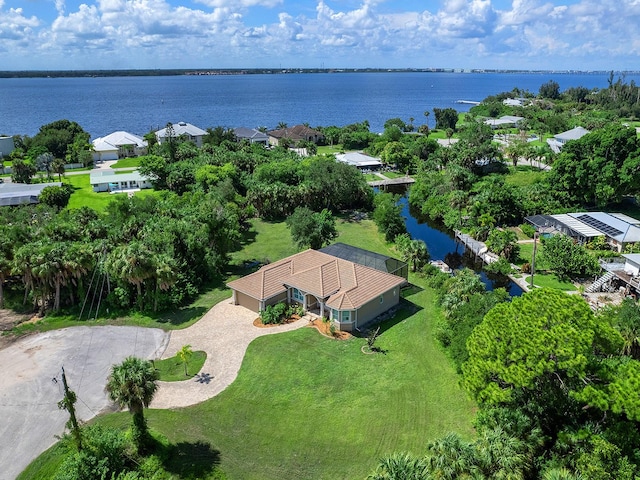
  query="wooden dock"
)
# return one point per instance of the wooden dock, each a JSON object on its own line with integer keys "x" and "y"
{"x": 478, "y": 248}
{"x": 392, "y": 182}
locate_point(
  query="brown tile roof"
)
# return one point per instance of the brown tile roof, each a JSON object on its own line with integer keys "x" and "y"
{"x": 346, "y": 285}
{"x": 299, "y": 132}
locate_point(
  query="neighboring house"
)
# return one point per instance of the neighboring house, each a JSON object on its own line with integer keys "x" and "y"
{"x": 360, "y": 160}
{"x": 295, "y": 134}
{"x": 506, "y": 121}
{"x": 6, "y": 146}
{"x": 349, "y": 294}
{"x": 622, "y": 273}
{"x": 12, "y": 194}
{"x": 182, "y": 130}
{"x": 514, "y": 102}
{"x": 110, "y": 181}
{"x": 618, "y": 229}
{"x": 251, "y": 135}
{"x": 118, "y": 145}
{"x": 557, "y": 142}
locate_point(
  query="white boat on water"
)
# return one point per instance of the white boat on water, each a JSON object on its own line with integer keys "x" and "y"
{"x": 443, "y": 267}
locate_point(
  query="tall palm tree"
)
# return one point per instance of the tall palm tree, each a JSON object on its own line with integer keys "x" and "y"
{"x": 132, "y": 384}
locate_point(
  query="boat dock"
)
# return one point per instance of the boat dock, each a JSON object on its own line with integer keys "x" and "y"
{"x": 478, "y": 248}
{"x": 468, "y": 102}
{"x": 392, "y": 182}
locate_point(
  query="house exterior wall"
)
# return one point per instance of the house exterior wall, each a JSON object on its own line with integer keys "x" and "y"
{"x": 105, "y": 155}
{"x": 281, "y": 297}
{"x": 246, "y": 301}
{"x": 371, "y": 310}
{"x": 631, "y": 268}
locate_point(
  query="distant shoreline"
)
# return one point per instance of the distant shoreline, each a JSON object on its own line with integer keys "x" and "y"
{"x": 279, "y": 71}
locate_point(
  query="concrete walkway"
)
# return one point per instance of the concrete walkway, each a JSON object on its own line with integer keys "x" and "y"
{"x": 224, "y": 332}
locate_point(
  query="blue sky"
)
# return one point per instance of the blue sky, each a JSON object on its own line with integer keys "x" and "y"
{"x": 507, "y": 34}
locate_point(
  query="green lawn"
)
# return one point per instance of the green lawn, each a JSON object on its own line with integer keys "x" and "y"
{"x": 526, "y": 255}
{"x": 394, "y": 174}
{"x": 330, "y": 150}
{"x": 172, "y": 369}
{"x": 371, "y": 177}
{"x": 305, "y": 406}
{"x": 127, "y": 162}
{"x": 83, "y": 194}
{"x": 525, "y": 175}
{"x": 551, "y": 280}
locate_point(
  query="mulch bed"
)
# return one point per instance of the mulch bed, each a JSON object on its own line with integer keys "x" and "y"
{"x": 318, "y": 324}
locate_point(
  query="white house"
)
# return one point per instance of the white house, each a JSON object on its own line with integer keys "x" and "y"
{"x": 110, "y": 181}
{"x": 183, "y": 130}
{"x": 118, "y": 145}
{"x": 359, "y": 160}
{"x": 12, "y": 194}
{"x": 557, "y": 142}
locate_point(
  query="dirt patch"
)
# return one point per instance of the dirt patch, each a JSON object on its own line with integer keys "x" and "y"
{"x": 325, "y": 329}
{"x": 8, "y": 320}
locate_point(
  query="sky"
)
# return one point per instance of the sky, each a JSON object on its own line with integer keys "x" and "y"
{"x": 471, "y": 34}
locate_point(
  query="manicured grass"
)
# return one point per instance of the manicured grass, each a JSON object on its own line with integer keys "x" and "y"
{"x": 371, "y": 177}
{"x": 394, "y": 174}
{"x": 330, "y": 150}
{"x": 305, "y": 406}
{"x": 127, "y": 162}
{"x": 551, "y": 280}
{"x": 526, "y": 255}
{"x": 172, "y": 369}
{"x": 83, "y": 194}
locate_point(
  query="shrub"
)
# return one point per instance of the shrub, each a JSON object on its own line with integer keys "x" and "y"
{"x": 528, "y": 229}
{"x": 501, "y": 266}
{"x": 274, "y": 314}
{"x": 526, "y": 267}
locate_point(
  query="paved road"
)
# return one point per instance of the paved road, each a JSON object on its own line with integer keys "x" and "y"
{"x": 29, "y": 395}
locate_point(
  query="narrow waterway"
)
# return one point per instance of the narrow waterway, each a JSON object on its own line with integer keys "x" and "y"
{"x": 442, "y": 246}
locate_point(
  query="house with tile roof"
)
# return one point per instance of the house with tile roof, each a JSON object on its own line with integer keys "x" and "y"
{"x": 118, "y": 145}
{"x": 349, "y": 294}
{"x": 294, "y": 135}
{"x": 182, "y": 130}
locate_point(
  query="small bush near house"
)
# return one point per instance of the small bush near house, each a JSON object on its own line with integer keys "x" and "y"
{"x": 273, "y": 314}
{"x": 528, "y": 229}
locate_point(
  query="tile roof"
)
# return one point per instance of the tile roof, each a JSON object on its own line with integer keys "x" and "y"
{"x": 344, "y": 284}
{"x": 299, "y": 132}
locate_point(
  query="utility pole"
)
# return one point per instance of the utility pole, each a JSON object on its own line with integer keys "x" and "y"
{"x": 67, "y": 404}
{"x": 533, "y": 259}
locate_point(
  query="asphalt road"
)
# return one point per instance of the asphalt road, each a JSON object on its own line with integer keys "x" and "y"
{"x": 31, "y": 385}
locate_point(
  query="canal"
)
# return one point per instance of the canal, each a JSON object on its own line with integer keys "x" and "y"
{"x": 442, "y": 246}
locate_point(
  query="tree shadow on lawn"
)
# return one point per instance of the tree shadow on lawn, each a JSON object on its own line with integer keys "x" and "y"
{"x": 191, "y": 460}
{"x": 181, "y": 316}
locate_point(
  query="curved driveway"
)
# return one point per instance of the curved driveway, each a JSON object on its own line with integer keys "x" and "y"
{"x": 224, "y": 332}
{"x": 31, "y": 385}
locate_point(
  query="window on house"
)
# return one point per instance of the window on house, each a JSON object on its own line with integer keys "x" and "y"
{"x": 298, "y": 296}
{"x": 346, "y": 316}
{"x": 381, "y": 298}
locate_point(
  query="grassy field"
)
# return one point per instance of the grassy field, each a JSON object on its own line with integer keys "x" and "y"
{"x": 551, "y": 280}
{"x": 330, "y": 150}
{"x": 525, "y": 175}
{"x": 305, "y": 406}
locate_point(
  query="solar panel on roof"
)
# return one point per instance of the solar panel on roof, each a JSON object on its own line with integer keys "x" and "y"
{"x": 598, "y": 225}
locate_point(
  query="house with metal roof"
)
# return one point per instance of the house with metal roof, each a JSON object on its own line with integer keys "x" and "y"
{"x": 359, "y": 160}
{"x": 558, "y": 141}
{"x": 182, "y": 130}
{"x": 506, "y": 121}
{"x": 349, "y": 294}
{"x": 251, "y": 135}
{"x": 13, "y": 194}
{"x": 618, "y": 229}
{"x": 118, "y": 145}
{"x": 110, "y": 181}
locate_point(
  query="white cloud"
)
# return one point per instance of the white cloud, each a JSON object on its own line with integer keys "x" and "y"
{"x": 240, "y": 3}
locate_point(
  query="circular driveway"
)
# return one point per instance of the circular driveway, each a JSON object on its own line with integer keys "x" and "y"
{"x": 31, "y": 384}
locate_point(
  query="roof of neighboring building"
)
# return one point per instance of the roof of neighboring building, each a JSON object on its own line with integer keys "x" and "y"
{"x": 504, "y": 120}
{"x": 250, "y": 133}
{"x": 358, "y": 159}
{"x": 573, "y": 134}
{"x": 299, "y": 132}
{"x": 110, "y": 176}
{"x": 577, "y": 225}
{"x": 12, "y": 194}
{"x": 346, "y": 285}
{"x": 182, "y": 128}
{"x": 116, "y": 139}
{"x": 632, "y": 257}
{"x": 612, "y": 226}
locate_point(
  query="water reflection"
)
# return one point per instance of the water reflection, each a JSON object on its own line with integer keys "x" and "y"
{"x": 442, "y": 246}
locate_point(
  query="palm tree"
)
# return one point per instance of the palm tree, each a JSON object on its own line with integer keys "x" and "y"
{"x": 132, "y": 384}
{"x": 399, "y": 466}
{"x": 451, "y": 458}
{"x": 185, "y": 354}
{"x": 132, "y": 263}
